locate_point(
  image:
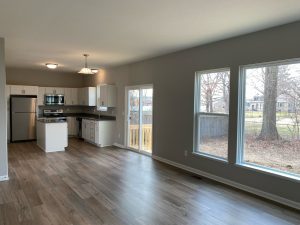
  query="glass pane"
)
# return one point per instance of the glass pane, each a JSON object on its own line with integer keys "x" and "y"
{"x": 147, "y": 97}
{"x": 134, "y": 118}
{"x": 213, "y": 116}
{"x": 272, "y": 117}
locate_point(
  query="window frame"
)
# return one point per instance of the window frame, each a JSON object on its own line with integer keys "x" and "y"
{"x": 197, "y": 113}
{"x": 241, "y": 122}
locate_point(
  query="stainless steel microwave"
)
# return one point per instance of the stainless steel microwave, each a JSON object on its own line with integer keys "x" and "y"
{"x": 52, "y": 99}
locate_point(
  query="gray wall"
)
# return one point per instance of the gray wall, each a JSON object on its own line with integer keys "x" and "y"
{"x": 173, "y": 79}
{"x": 3, "y": 141}
{"x": 43, "y": 77}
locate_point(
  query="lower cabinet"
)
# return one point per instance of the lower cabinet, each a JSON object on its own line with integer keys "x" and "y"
{"x": 72, "y": 126}
{"x": 100, "y": 133}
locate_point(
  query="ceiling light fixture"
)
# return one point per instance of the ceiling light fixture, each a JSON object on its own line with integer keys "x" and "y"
{"x": 85, "y": 69}
{"x": 52, "y": 65}
{"x": 94, "y": 71}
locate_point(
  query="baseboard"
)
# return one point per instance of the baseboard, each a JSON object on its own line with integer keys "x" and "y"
{"x": 251, "y": 190}
{"x": 4, "y": 178}
{"x": 119, "y": 145}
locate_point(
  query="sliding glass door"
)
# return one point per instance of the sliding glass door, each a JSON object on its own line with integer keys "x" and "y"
{"x": 139, "y": 118}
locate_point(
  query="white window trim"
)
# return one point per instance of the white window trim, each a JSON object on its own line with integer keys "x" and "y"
{"x": 241, "y": 123}
{"x": 197, "y": 92}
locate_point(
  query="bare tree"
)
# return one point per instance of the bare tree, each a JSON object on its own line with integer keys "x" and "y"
{"x": 214, "y": 88}
{"x": 269, "y": 129}
{"x": 209, "y": 87}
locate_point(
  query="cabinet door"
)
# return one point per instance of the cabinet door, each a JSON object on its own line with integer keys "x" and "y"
{"x": 92, "y": 131}
{"x": 41, "y": 95}
{"x": 106, "y": 96}
{"x": 68, "y": 96}
{"x": 17, "y": 90}
{"x": 50, "y": 90}
{"x": 31, "y": 90}
{"x": 91, "y": 96}
{"x": 82, "y": 96}
{"x": 103, "y": 95}
{"x": 59, "y": 91}
{"x": 74, "y": 96}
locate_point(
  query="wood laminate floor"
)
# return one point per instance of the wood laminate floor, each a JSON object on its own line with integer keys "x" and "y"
{"x": 88, "y": 185}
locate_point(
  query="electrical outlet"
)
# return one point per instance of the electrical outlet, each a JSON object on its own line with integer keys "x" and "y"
{"x": 185, "y": 153}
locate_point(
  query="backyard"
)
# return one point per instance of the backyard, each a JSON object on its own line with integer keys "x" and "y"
{"x": 282, "y": 154}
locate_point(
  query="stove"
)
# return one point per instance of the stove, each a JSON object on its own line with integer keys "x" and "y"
{"x": 54, "y": 116}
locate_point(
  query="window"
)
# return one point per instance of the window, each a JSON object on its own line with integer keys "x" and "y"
{"x": 271, "y": 134}
{"x": 211, "y": 113}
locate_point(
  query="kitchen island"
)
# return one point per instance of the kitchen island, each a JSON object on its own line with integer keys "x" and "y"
{"x": 52, "y": 136}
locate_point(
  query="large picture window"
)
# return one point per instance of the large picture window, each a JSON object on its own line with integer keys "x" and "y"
{"x": 270, "y": 119}
{"x": 211, "y": 113}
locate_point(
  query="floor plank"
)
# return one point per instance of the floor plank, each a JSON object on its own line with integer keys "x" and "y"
{"x": 90, "y": 185}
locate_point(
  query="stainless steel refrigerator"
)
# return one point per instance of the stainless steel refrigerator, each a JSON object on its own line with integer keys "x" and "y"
{"x": 23, "y": 117}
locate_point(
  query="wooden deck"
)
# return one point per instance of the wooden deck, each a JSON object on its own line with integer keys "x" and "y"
{"x": 88, "y": 185}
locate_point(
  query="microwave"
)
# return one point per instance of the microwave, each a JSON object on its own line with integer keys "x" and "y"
{"x": 51, "y": 99}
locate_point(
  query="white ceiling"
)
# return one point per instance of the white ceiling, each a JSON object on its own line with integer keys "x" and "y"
{"x": 116, "y": 32}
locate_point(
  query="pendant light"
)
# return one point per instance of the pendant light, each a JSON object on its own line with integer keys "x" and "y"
{"x": 52, "y": 65}
{"x": 86, "y": 70}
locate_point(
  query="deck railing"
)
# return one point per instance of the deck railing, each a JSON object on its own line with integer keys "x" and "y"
{"x": 146, "y": 141}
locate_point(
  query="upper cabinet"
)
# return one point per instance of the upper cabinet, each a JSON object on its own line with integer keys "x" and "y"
{"x": 23, "y": 90}
{"x": 106, "y": 96}
{"x": 87, "y": 96}
{"x": 41, "y": 94}
{"x": 68, "y": 96}
{"x": 55, "y": 91}
{"x": 74, "y": 96}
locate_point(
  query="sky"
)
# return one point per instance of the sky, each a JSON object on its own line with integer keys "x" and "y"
{"x": 252, "y": 75}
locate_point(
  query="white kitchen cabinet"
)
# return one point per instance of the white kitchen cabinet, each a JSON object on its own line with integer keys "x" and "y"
{"x": 88, "y": 130}
{"x": 55, "y": 90}
{"x": 87, "y": 96}
{"x": 7, "y": 95}
{"x": 41, "y": 95}
{"x": 68, "y": 96}
{"x": 52, "y": 137}
{"x": 71, "y": 96}
{"x": 72, "y": 126}
{"x": 106, "y": 96}
{"x": 100, "y": 133}
{"x": 23, "y": 90}
{"x": 74, "y": 96}
{"x": 104, "y": 133}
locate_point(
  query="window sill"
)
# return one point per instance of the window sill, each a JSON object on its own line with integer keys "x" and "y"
{"x": 211, "y": 157}
{"x": 269, "y": 171}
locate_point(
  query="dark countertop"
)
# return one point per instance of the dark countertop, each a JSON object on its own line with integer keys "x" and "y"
{"x": 47, "y": 120}
{"x": 89, "y": 116}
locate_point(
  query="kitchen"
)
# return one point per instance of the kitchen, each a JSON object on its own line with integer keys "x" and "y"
{"x": 50, "y": 115}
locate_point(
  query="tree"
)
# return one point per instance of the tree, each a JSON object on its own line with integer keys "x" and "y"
{"x": 269, "y": 129}
{"x": 215, "y": 88}
{"x": 209, "y": 87}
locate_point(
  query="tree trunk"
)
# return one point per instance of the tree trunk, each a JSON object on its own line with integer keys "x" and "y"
{"x": 269, "y": 130}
